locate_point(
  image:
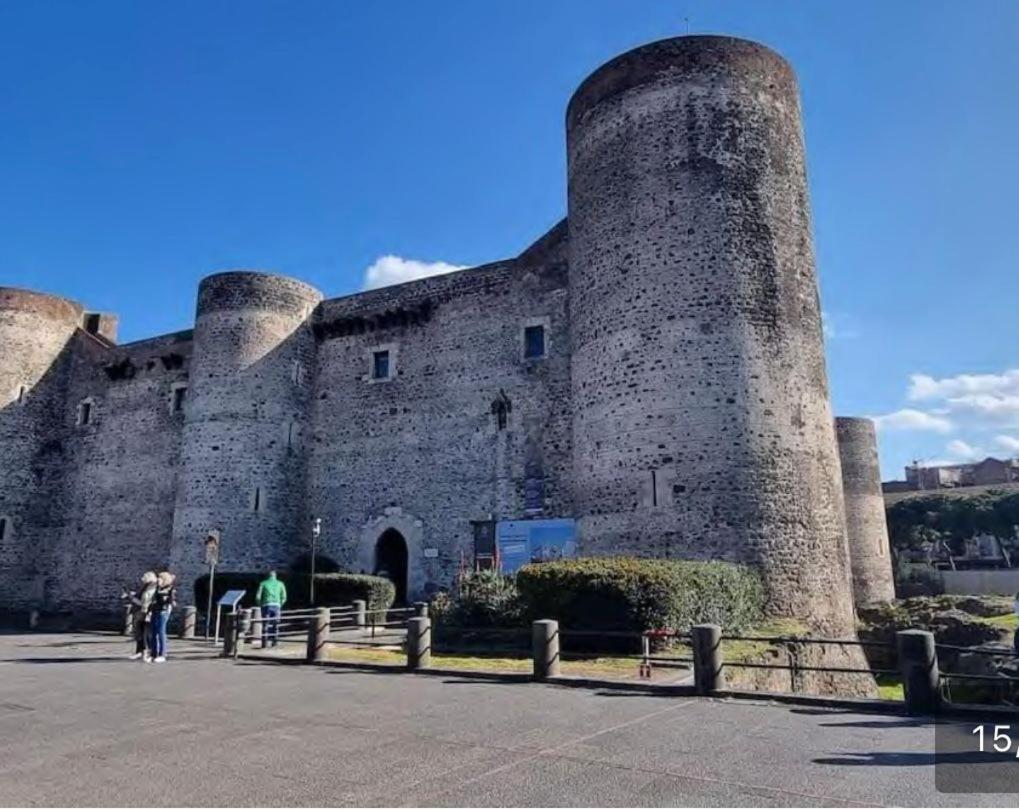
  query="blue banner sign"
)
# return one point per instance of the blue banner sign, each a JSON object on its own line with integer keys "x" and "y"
{"x": 525, "y": 541}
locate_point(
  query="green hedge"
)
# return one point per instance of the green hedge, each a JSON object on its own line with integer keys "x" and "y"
{"x": 330, "y": 589}
{"x": 633, "y": 594}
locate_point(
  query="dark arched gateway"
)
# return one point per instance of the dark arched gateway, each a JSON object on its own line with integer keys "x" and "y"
{"x": 391, "y": 561}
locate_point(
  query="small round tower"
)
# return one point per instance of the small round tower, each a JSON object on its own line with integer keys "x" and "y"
{"x": 241, "y": 470}
{"x": 34, "y": 331}
{"x": 866, "y": 525}
{"x": 702, "y": 424}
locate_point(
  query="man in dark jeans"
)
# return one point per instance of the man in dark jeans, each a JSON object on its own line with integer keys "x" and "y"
{"x": 271, "y": 597}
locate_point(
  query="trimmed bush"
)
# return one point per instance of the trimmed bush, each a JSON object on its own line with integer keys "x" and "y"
{"x": 480, "y": 599}
{"x": 341, "y": 589}
{"x": 634, "y": 594}
{"x": 330, "y": 589}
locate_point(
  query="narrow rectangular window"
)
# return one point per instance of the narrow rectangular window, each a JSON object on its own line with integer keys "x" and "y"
{"x": 380, "y": 365}
{"x": 21, "y": 395}
{"x": 534, "y": 342}
{"x": 3, "y": 528}
{"x": 86, "y": 413}
{"x": 178, "y": 399}
{"x": 257, "y": 504}
{"x": 654, "y": 488}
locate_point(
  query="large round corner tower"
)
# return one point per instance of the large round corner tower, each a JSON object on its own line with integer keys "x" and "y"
{"x": 866, "y": 524}
{"x": 34, "y": 331}
{"x": 241, "y": 474}
{"x": 702, "y": 424}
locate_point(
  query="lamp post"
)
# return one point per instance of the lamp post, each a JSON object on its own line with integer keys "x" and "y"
{"x": 316, "y": 530}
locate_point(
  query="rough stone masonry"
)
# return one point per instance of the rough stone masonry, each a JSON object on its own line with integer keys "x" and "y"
{"x": 652, "y": 366}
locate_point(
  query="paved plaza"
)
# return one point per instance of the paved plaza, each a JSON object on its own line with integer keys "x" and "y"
{"x": 82, "y": 725}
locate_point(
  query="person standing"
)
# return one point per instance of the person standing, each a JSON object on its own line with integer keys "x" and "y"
{"x": 140, "y": 601}
{"x": 271, "y": 597}
{"x": 163, "y": 602}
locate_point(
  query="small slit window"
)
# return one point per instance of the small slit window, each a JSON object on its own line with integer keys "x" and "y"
{"x": 86, "y": 412}
{"x": 380, "y": 365}
{"x": 258, "y": 500}
{"x": 22, "y": 393}
{"x": 177, "y": 399}
{"x": 5, "y": 528}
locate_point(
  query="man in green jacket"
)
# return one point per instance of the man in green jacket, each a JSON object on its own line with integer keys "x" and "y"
{"x": 271, "y": 597}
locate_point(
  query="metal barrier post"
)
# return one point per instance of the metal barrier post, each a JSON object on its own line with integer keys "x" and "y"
{"x": 245, "y": 628}
{"x": 229, "y": 639}
{"x": 126, "y": 629}
{"x": 256, "y": 624}
{"x": 918, "y": 662}
{"x": 706, "y": 640}
{"x": 360, "y": 606}
{"x": 419, "y": 642}
{"x": 545, "y": 648}
{"x": 187, "y": 625}
{"x": 33, "y": 619}
{"x": 318, "y": 636}
{"x": 420, "y": 608}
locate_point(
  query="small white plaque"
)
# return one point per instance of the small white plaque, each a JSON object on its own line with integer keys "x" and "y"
{"x": 431, "y": 552}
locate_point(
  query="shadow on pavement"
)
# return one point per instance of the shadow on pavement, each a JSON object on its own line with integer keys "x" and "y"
{"x": 911, "y": 759}
{"x": 913, "y": 722}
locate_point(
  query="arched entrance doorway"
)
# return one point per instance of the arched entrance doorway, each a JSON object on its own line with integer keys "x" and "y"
{"x": 391, "y": 561}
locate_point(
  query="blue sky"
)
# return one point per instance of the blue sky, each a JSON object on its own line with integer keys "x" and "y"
{"x": 146, "y": 145}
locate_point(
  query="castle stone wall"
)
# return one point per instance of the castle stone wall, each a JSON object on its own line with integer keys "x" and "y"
{"x": 866, "y": 525}
{"x": 680, "y": 408}
{"x": 423, "y": 452}
{"x": 120, "y": 470}
{"x": 241, "y": 464}
{"x": 34, "y": 333}
{"x": 702, "y": 422}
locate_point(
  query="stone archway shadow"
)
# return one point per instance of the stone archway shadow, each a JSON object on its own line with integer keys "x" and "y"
{"x": 411, "y": 529}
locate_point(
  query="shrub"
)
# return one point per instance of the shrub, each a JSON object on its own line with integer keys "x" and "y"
{"x": 633, "y": 594}
{"x": 330, "y": 589}
{"x": 341, "y": 589}
{"x": 480, "y": 599}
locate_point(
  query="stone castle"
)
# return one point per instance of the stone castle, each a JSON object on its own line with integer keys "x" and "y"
{"x": 652, "y": 367}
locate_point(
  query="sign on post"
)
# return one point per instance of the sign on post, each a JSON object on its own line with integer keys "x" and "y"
{"x": 211, "y": 558}
{"x": 230, "y": 600}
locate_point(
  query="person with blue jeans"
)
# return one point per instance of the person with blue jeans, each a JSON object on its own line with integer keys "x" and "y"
{"x": 163, "y": 602}
{"x": 271, "y": 597}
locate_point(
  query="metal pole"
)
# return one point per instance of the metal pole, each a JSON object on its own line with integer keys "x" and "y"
{"x": 316, "y": 530}
{"x": 311, "y": 585}
{"x": 208, "y": 609}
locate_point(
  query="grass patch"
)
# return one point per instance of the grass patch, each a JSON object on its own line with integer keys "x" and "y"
{"x": 889, "y": 687}
{"x": 604, "y": 666}
{"x": 1007, "y": 621}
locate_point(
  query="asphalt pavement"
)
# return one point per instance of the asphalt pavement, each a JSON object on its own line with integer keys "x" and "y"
{"x": 80, "y": 724}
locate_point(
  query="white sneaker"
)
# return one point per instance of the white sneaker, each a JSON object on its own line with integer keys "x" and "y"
{"x": 160, "y": 659}
{"x": 147, "y": 658}
{"x": 135, "y": 656}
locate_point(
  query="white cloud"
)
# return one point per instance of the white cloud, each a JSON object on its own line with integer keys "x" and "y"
{"x": 998, "y": 408}
{"x": 910, "y": 419}
{"x": 387, "y": 270}
{"x": 925, "y": 387}
{"x": 963, "y": 451}
{"x": 1010, "y": 443}
{"x": 838, "y": 325}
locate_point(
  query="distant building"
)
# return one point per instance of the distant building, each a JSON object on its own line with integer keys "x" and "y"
{"x": 949, "y": 476}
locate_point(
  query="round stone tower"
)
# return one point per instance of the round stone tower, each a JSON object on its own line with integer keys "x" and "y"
{"x": 866, "y": 525}
{"x": 241, "y": 470}
{"x": 702, "y": 424}
{"x": 34, "y": 331}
